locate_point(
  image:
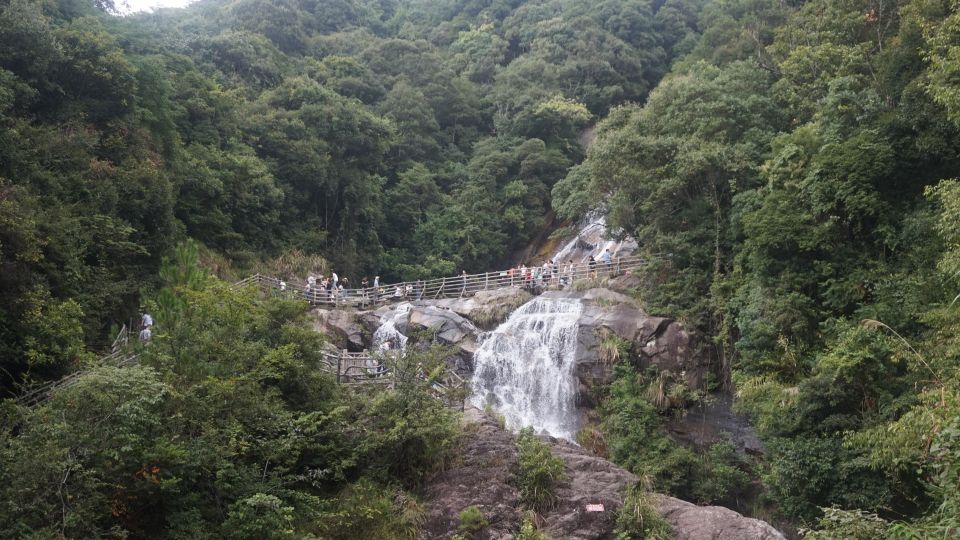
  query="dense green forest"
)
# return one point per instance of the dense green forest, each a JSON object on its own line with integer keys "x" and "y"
{"x": 409, "y": 139}
{"x": 790, "y": 162}
{"x": 796, "y": 166}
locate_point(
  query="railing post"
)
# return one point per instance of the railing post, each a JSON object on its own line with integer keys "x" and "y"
{"x": 339, "y": 365}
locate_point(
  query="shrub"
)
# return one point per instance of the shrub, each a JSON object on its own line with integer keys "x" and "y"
{"x": 638, "y": 519}
{"x": 259, "y": 516}
{"x": 528, "y": 530}
{"x": 837, "y": 524}
{"x": 613, "y": 348}
{"x": 540, "y": 471}
{"x": 472, "y": 520}
{"x": 367, "y": 510}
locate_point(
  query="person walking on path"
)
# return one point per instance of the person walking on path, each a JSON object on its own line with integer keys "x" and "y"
{"x": 592, "y": 264}
{"x": 376, "y": 289}
{"x": 419, "y": 288}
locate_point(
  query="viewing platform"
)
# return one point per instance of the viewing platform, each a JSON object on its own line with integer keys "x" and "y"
{"x": 532, "y": 278}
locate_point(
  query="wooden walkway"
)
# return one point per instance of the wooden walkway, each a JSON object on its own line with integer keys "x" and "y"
{"x": 364, "y": 368}
{"x": 534, "y": 278}
{"x": 121, "y": 354}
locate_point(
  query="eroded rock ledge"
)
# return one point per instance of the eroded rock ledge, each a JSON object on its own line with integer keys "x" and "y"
{"x": 484, "y": 476}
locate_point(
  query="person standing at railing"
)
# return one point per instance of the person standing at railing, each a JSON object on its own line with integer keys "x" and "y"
{"x": 376, "y": 289}
{"x": 607, "y": 259}
{"x": 344, "y": 288}
{"x": 419, "y": 289}
{"x": 463, "y": 283}
{"x": 592, "y": 264}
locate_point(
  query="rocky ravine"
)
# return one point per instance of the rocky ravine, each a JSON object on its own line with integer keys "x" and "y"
{"x": 657, "y": 341}
{"x": 484, "y": 476}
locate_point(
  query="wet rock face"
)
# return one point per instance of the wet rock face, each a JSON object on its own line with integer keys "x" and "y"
{"x": 658, "y": 342}
{"x": 446, "y": 325}
{"x": 485, "y": 477}
{"x": 342, "y": 325}
{"x": 692, "y": 522}
{"x": 486, "y": 309}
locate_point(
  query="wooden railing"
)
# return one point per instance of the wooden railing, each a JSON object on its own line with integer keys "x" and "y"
{"x": 355, "y": 368}
{"x": 534, "y": 278}
{"x": 363, "y": 368}
{"x": 120, "y": 355}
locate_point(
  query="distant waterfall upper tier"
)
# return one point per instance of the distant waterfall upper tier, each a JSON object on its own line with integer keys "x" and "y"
{"x": 592, "y": 239}
{"x": 525, "y": 368}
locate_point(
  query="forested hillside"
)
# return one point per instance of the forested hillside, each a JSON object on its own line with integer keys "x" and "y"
{"x": 790, "y": 164}
{"x": 406, "y": 138}
{"x": 795, "y": 166}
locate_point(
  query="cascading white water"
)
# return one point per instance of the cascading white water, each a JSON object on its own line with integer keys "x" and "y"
{"x": 524, "y": 368}
{"x": 388, "y": 332}
{"x": 591, "y": 239}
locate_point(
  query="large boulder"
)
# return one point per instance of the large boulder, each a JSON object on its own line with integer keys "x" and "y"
{"x": 416, "y": 317}
{"x": 342, "y": 325}
{"x": 484, "y": 475}
{"x": 486, "y": 309}
{"x": 446, "y": 325}
{"x": 692, "y": 522}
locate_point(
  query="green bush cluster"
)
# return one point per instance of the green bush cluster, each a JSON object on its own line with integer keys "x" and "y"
{"x": 226, "y": 428}
{"x": 472, "y": 520}
{"x": 636, "y": 439}
{"x": 540, "y": 471}
{"x": 638, "y": 518}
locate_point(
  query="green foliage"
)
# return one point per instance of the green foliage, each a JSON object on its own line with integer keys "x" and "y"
{"x": 540, "y": 472}
{"x": 638, "y": 518}
{"x": 259, "y": 516}
{"x": 613, "y": 349}
{"x": 633, "y": 428}
{"x": 472, "y": 520}
{"x": 226, "y": 427}
{"x": 528, "y": 528}
{"x": 837, "y": 524}
{"x": 367, "y": 510}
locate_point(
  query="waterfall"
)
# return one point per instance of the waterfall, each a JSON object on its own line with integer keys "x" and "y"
{"x": 591, "y": 239}
{"x": 525, "y": 368}
{"x": 388, "y": 330}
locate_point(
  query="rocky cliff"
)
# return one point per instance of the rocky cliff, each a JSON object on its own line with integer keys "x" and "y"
{"x": 484, "y": 476}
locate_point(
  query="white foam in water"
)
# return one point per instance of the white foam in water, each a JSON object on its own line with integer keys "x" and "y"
{"x": 388, "y": 329}
{"x": 525, "y": 368}
{"x": 591, "y": 239}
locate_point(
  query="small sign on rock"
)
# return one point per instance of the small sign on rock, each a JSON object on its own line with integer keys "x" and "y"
{"x": 595, "y": 508}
